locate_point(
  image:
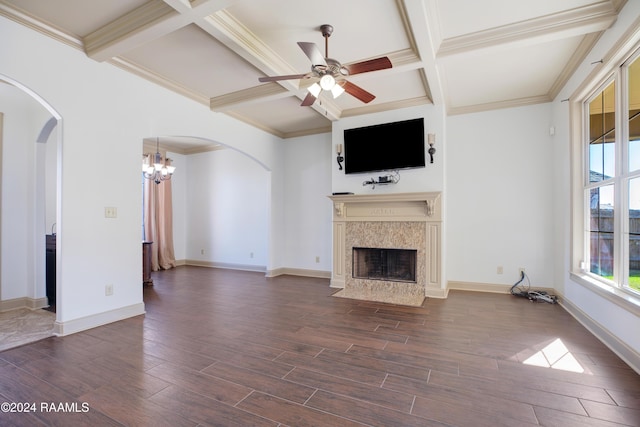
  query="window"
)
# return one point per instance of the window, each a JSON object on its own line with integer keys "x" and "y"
{"x": 612, "y": 178}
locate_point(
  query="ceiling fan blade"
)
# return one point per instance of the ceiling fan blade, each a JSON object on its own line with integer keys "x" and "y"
{"x": 313, "y": 53}
{"x": 358, "y": 92}
{"x": 370, "y": 65}
{"x": 308, "y": 100}
{"x": 277, "y": 78}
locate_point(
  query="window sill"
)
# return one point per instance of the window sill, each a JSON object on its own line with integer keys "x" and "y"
{"x": 626, "y": 300}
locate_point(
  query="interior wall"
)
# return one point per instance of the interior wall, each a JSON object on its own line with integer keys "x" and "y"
{"x": 179, "y": 204}
{"x": 429, "y": 178}
{"x": 227, "y": 196}
{"x": 309, "y": 162}
{"x": 499, "y": 195}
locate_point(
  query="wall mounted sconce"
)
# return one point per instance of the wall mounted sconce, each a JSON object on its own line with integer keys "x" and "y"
{"x": 431, "y": 139}
{"x": 340, "y": 159}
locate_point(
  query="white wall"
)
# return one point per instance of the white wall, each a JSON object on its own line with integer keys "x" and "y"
{"x": 227, "y": 199}
{"x": 499, "y": 195}
{"x": 309, "y": 162}
{"x": 106, "y": 113}
{"x": 429, "y": 178}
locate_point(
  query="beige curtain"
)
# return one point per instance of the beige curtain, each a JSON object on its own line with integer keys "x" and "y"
{"x": 158, "y": 224}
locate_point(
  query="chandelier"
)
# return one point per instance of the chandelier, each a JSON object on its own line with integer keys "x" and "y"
{"x": 158, "y": 171}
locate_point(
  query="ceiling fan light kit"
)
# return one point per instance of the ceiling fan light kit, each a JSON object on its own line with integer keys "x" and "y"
{"x": 330, "y": 75}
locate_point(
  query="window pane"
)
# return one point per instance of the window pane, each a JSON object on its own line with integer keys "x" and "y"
{"x": 602, "y": 135}
{"x": 601, "y": 226}
{"x": 634, "y": 234}
{"x": 634, "y": 115}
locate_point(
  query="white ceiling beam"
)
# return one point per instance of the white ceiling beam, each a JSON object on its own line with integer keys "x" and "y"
{"x": 148, "y": 22}
{"x": 575, "y": 22}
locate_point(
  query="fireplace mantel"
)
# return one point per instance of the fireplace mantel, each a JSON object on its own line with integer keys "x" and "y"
{"x": 398, "y": 220}
{"x": 387, "y": 207}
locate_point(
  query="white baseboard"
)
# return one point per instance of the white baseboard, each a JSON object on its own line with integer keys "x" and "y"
{"x": 95, "y": 320}
{"x": 321, "y": 274}
{"x": 230, "y": 266}
{"x": 24, "y": 302}
{"x": 489, "y": 287}
{"x": 626, "y": 353}
{"x": 436, "y": 293}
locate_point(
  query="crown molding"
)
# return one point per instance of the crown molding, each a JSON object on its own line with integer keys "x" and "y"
{"x": 26, "y": 19}
{"x": 586, "y": 44}
{"x": 512, "y": 103}
{"x": 583, "y": 20}
{"x": 387, "y": 106}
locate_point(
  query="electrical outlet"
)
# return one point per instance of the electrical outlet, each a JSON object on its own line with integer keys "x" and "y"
{"x": 108, "y": 290}
{"x": 520, "y": 271}
{"x": 317, "y": 259}
{"x": 201, "y": 251}
{"x": 250, "y": 254}
{"x": 499, "y": 270}
{"x": 110, "y": 212}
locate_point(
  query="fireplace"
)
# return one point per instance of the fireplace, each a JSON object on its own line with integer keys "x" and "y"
{"x": 394, "y": 265}
{"x": 374, "y": 234}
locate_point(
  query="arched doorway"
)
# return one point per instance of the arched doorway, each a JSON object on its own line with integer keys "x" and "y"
{"x": 29, "y": 201}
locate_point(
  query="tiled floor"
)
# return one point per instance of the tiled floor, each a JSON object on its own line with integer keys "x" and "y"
{"x": 18, "y": 327}
{"x": 229, "y": 348}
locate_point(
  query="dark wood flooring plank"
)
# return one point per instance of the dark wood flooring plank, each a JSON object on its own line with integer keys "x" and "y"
{"x": 275, "y": 386}
{"x": 451, "y": 414}
{"x": 201, "y": 383}
{"x": 205, "y": 411}
{"x": 354, "y": 373}
{"x": 507, "y": 391}
{"x": 391, "y": 399}
{"x": 464, "y": 400}
{"x": 131, "y": 410}
{"x": 367, "y": 413}
{"x": 619, "y": 414}
{"x": 553, "y": 418}
{"x": 407, "y": 359}
{"x": 385, "y": 366}
{"x": 291, "y": 414}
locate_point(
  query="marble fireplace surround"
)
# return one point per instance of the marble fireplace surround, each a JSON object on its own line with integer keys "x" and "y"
{"x": 392, "y": 221}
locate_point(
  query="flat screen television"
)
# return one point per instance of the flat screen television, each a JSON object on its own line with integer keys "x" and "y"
{"x": 388, "y": 146}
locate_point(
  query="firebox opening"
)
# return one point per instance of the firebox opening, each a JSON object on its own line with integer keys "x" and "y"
{"x": 394, "y": 265}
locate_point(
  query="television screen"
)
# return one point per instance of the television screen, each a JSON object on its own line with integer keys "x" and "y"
{"x": 389, "y": 146}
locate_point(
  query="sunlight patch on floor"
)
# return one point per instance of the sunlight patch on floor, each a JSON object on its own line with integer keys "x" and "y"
{"x": 555, "y": 356}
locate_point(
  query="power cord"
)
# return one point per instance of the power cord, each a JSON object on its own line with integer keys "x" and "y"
{"x": 522, "y": 288}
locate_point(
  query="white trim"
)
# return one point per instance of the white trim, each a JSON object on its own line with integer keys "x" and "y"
{"x": 95, "y": 320}
{"x": 488, "y": 287}
{"x": 320, "y": 274}
{"x": 24, "y": 302}
{"x": 622, "y": 350}
{"x": 225, "y": 265}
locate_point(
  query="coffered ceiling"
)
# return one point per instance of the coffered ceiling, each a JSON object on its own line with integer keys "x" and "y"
{"x": 470, "y": 55}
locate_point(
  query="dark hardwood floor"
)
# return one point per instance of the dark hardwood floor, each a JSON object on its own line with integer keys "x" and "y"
{"x": 230, "y": 348}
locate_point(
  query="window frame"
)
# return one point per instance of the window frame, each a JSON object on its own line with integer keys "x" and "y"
{"x": 614, "y": 69}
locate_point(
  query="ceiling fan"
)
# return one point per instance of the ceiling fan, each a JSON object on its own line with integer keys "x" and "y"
{"x": 330, "y": 73}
